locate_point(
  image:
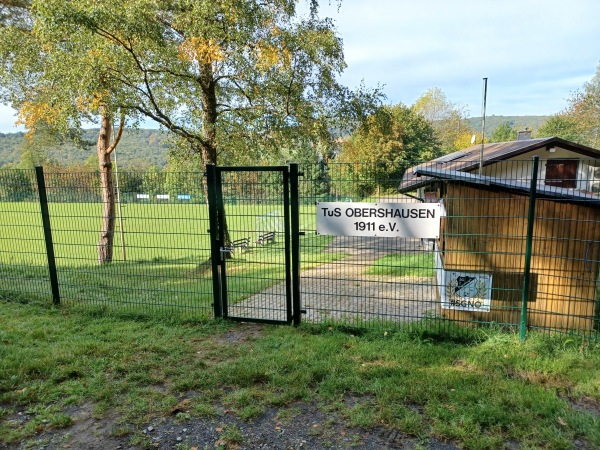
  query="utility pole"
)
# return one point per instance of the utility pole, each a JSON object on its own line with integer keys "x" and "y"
{"x": 482, "y": 126}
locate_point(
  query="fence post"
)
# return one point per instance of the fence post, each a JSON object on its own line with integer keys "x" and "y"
{"x": 215, "y": 245}
{"x": 39, "y": 174}
{"x": 295, "y": 223}
{"x": 528, "y": 248}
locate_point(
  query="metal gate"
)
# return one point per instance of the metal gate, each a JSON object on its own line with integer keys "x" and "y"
{"x": 254, "y": 231}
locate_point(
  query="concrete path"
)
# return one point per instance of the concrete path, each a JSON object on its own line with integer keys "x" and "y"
{"x": 340, "y": 290}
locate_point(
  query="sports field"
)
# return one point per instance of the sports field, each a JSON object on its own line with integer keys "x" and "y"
{"x": 161, "y": 254}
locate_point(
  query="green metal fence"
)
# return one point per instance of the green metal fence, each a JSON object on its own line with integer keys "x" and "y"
{"x": 161, "y": 245}
{"x": 23, "y": 259}
{"x": 500, "y": 259}
{"x": 527, "y": 245}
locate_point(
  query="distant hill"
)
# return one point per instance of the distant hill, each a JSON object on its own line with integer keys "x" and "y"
{"x": 143, "y": 145}
{"x": 519, "y": 122}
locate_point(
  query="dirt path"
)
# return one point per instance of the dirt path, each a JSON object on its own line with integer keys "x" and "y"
{"x": 341, "y": 290}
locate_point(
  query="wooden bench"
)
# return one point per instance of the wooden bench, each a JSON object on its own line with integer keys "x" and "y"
{"x": 240, "y": 243}
{"x": 265, "y": 238}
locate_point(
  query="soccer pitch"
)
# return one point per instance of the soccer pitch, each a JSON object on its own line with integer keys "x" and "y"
{"x": 161, "y": 257}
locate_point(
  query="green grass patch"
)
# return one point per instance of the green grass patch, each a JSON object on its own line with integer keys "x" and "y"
{"x": 151, "y": 232}
{"x": 477, "y": 392}
{"x": 414, "y": 264}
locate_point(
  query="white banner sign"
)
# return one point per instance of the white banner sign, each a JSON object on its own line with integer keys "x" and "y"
{"x": 416, "y": 220}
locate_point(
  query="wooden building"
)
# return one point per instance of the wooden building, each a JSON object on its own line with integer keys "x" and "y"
{"x": 485, "y": 227}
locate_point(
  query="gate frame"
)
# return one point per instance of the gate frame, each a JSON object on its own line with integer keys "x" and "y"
{"x": 291, "y": 217}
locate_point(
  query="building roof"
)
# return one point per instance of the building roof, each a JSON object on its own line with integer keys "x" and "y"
{"x": 468, "y": 159}
{"x": 542, "y": 190}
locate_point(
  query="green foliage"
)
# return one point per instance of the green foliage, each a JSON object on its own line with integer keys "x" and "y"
{"x": 447, "y": 119}
{"x": 153, "y": 182}
{"x": 504, "y": 132}
{"x": 315, "y": 185}
{"x": 584, "y": 111}
{"x": 560, "y": 125}
{"x": 17, "y": 185}
{"x": 519, "y": 122}
{"x": 138, "y": 149}
{"x": 384, "y": 145}
{"x": 580, "y": 121}
{"x": 232, "y": 79}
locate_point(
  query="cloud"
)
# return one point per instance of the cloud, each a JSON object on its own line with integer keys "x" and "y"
{"x": 534, "y": 53}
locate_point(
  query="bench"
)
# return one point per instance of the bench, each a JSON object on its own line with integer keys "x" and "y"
{"x": 265, "y": 238}
{"x": 240, "y": 243}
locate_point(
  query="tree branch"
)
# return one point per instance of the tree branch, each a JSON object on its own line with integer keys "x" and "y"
{"x": 117, "y": 138}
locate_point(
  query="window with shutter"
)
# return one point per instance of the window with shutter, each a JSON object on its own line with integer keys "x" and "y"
{"x": 561, "y": 173}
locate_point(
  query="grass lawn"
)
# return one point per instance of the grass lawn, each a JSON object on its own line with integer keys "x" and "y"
{"x": 415, "y": 264}
{"x": 150, "y": 231}
{"x": 164, "y": 267}
{"x": 483, "y": 392}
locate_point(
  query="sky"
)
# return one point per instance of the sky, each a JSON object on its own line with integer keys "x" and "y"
{"x": 534, "y": 53}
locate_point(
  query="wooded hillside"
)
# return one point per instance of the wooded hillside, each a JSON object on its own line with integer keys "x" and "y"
{"x": 144, "y": 146}
{"x": 148, "y": 147}
{"x": 518, "y": 122}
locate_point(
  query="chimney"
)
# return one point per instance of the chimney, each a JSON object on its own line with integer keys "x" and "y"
{"x": 524, "y": 135}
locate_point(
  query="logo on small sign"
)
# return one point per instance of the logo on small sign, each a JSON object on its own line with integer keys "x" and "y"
{"x": 466, "y": 291}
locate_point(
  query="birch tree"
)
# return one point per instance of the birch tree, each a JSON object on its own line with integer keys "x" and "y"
{"x": 227, "y": 76}
{"x": 57, "y": 84}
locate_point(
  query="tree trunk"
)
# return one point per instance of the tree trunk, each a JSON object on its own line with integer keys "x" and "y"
{"x": 107, "y": 233}
{"x": 209, "y": 128}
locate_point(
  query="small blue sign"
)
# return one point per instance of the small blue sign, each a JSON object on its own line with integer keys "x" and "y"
{"x": 184, "y": 197}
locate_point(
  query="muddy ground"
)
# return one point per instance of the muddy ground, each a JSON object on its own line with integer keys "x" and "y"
{"x": 299, "y": 426}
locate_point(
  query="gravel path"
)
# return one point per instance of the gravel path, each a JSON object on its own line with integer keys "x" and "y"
{"x": 341, "y": 290}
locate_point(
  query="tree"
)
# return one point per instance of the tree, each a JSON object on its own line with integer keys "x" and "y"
{"x": 56, "y": 84}
{"x": 559, "y": 125}
{"x": 180, "y": 180}
{"x": 227, "y": 77}
{"x": 504, "y": 132}
{"x": 580, "y": 121}
{"x": 385, "y": 144}
{"x": 584, "y": 111}
{"x": 16, "y": 184}
{"x": 153, "y": 182}
{"x": 447, "y": 119}
{"x": 468, "y": 139}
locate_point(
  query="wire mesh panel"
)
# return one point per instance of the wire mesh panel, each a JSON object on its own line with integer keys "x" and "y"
{"x": 159, "y": 240}
{"x": 256, "y": 244}
{"x": 23, "y": 259}
{"x": 481, "y": 252}
{"x": 566, "y": 248}
{"x": 361, "y": 280}
{"x": 474, "y": 272}
{"x": 495, "y": 223}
